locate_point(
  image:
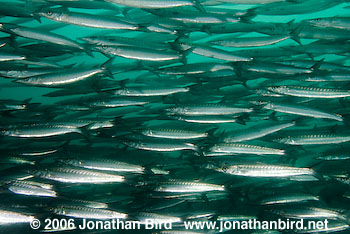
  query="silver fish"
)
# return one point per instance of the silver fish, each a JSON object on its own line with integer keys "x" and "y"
{"x": 175, "y": 186}
{"x": 88, "y": 213}
{"x": 301, "y": 91}
{"x": 265, "y": 170}
{"x": 314, "y": 139}
{"x": 225, "y": 148}
{"x": 70, "y": 175}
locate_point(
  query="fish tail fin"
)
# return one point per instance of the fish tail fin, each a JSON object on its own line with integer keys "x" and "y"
{"x": 198, "y": 6}
{"x": 211, "y": 132}
{"x": 86, "y": 133}
{"x": 249, "y": 15}
{"x": 241, "y": 119}
{"x": 106, "y": 67}
{"x": 294, "y": 34}
{"x": 317, "y": 65}
{"x": 88, "y": 51}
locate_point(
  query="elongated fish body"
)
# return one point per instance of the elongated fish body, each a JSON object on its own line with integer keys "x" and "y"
{"x": 88, "y": 213}
{"x": 301, "y": 91}
{"x": 139, "y": 53}
{"x": 85, "y": 203}
{"x": 250, "y": 41}
{"x": 330, "y": 78}
{"x": 317, "y": 139}
{"x": 200, "y": 18}
{"x": 209, "y": 109}
{"x": 10, "y": 217}
{"x": 10, "y": 57}
{"x": 161, "y": 147}
{"x": 292, "y": 8}
{"x": 115, "y": 102}
{"x": 39, "y": 35}
{"x": 254, "y": 132}
{"x": 125, "y": 41}
{"x": 288, "y": 198}
{"x": 266, "y": 171}
{"x": 29, "y": 189}
{"x": 335, "y": 157}
{"x": 310, "y": 213}
{"x": 106, "y": 165}
{"x": 275, "y": 68}
{"x": 17, "y": 74}
{"x": 149, "y": 92}
{"x": 173, "y": 133}
{"x": 194, "y": 68}
{"x": 87, "y": 20}
{"x": 206, "y": 119}
{"x": 152, "y": 4}
{"x": 219, "y": 54}
{"x": 70, "y": 175}
{"x": 157, "y": 218}
{"x": 58, "y": 79}
{"x": 301, "y": 110}
{"x": 225, "y": 148}
{"x": 89, "y": 123}
{"x": 16, "y": 160}
{"x": 331, "y": 22}
{"x": 175, "y": 186}
{"x": 38, "y": 131}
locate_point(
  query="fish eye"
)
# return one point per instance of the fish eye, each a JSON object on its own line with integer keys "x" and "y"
{"x": 104, "y": 47}
{"x": 49, "y": 12}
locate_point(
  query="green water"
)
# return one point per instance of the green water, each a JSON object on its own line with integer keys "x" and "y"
{"x": 322, "y": 184}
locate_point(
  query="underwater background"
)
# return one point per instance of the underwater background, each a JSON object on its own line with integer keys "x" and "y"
{"x": 174, "y": 111}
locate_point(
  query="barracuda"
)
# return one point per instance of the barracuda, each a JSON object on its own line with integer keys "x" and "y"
{"x": 40, "y": 35}
{"x": 58, "y": 79}
{"x": 311, "y": 92}
{"x": 250, "y": 41}
{"x": 225, "y": 148}
{"x": 256, "y": 132}
{"x": 85, "y": 203}
{"x": 331, "y": 22}
{"x": 88, "y": 213}
{"x": 10, "y": 217}
{"x": 175, "y": 186}
{"x": 10, "y": 57}
{"x": 38, "y": 130}
{"x": 88, "y": 20}
{"x": 265, "y": 170}
{"x": 139, "y": 53}
{"x": 30, "y": 189}
{"x": 149, "y": 92}
{"x": 301, "y": 110}
{"x": 105, "y": 165}
{"x": 213, "y": 52}
{"x": 207, "y": 119}
{"x": 173, "y": 133}
{"x": 71, "y": 175}
{"x": 314, "y": 139}
{"x": 161, "y": 146}
{"x": 288, "y": 198}
{"x": 153, "y": 4}
{"x": 115, "y": 102}
{"x": 309, "y": 213}
{"x": 158, "y": 218}
{"x": 208, "y": 109}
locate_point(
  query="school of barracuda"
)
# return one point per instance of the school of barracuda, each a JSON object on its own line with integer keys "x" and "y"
{"x": 174, "y": 110}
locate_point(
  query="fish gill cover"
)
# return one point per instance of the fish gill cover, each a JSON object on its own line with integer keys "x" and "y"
{"x": 174, "y": 111}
